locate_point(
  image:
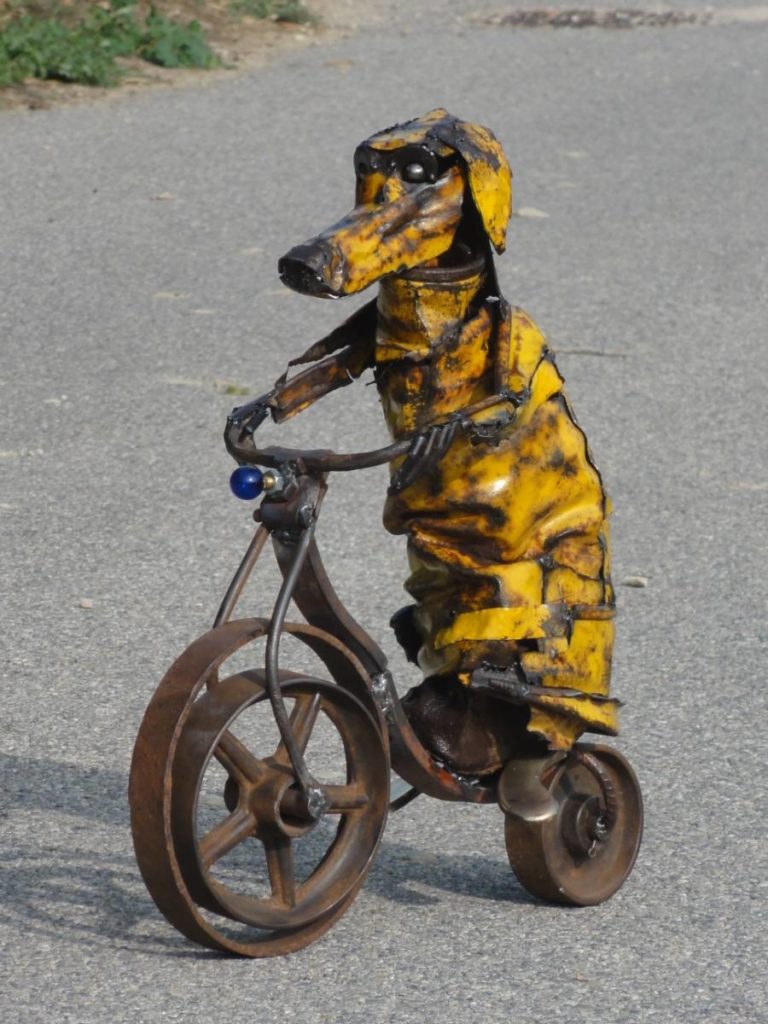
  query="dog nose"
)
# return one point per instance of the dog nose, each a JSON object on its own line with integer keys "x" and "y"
{"x": 306, "y": 268}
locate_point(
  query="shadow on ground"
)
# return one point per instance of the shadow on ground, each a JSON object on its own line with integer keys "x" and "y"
{"x": 70, "y": 871}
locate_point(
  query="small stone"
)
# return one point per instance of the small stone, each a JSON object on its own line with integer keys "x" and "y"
{"x": 635, "y": 581}
{"x": 533, "y": 212}
{"x": 85, "y": 602}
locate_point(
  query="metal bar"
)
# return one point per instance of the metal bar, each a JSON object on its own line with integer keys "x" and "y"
{"x": 321, "y": 606}
{"x": 509, "y": 685}
{"x": 271, "y": 663}
{"x": 235, "y": 588}
{"x": 401, "y": 794}
{"x": 323, "y": 461}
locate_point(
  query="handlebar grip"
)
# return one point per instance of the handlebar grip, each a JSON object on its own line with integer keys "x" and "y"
{"x": 243, "y": 450}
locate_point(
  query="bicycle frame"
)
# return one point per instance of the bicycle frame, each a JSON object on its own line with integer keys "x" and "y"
{"x": 289, "y": 519}
{"x": 573, "y": 819}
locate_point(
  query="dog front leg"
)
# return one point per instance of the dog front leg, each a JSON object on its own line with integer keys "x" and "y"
{"x": 348, "y": 350}
{"x": 338, "y": 359}
{"x": 336, "y": 371}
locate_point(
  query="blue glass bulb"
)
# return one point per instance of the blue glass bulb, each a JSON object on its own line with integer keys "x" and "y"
{"x": 247, "y": 482}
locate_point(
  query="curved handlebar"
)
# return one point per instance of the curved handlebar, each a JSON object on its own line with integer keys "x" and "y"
{"x": 238, "y": 438}
{"x": 243, "y": 449}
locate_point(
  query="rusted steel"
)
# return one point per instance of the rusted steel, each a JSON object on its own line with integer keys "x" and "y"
{"x": 238, "y": 439}
{"x": 320, "y": 605}
{"x": 583, "y": 846}
{"x": 184, "y": 727}
{"x": 269, "y": 808}
{"x": 310, "y": 790}
{"x": 241, "y": 577}
{"x": 493, "y": 485}
{"x": 415, "y": 763}
{"x": 521, "y": 792}
{"x": 608, "y": 788}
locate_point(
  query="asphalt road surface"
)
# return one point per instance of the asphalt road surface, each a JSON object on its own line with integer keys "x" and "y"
{"x": 138, "y": 242}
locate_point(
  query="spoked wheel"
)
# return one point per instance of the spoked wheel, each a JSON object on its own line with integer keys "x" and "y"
{"x": 239, "y": 863}
{"x": 579, "y": 845}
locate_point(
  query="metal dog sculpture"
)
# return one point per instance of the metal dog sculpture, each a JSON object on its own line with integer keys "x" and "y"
{"x": 502, "y": 505}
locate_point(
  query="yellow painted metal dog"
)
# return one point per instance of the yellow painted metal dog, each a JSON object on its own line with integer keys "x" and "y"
{"x": 503, "y": 508}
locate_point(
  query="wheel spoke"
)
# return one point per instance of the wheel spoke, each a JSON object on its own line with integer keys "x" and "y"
{"x": 343, "y": 799}
{"x": 225, "y": 836}
{"x": 208, "y": 800}
{"x": 303, "y": 718}
{"x": 279, "y": 853}
{"x": 233, "y": 755}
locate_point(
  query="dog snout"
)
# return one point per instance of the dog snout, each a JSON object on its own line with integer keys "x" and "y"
{"x": 308, "y": 269}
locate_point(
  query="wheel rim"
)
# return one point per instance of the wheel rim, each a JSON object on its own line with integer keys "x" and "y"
{"x": 157, "y": 807}
{"x": 583, "y": 852}
{"x": 268, "y": 806}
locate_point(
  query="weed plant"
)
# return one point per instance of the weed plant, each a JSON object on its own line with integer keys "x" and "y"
{"x": 277, "y": 10}
{"x": 43, "y": 40}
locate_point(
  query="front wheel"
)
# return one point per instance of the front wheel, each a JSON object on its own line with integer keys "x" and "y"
{"x": 224, "y": 839}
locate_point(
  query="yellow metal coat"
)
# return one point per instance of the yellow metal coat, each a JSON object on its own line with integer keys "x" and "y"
{"x": 507, "y": 531}
{"x": 507, "y": 541}
{"x": 487, "y": 170}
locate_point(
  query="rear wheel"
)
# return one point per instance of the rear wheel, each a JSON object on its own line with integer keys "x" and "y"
{"x": 580, "y": 845}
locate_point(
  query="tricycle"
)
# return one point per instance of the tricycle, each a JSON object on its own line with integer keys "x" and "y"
{"x": 572, "y": 819}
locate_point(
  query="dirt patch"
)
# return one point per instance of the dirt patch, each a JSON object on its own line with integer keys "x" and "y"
{"x": 585, "y": 18}
{"x": 242, "y": 42}
{"x": 619, "y": 18}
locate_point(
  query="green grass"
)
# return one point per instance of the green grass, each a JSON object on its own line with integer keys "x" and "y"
{"x": 45, "y": 40}
{"x": 278, "y": 10}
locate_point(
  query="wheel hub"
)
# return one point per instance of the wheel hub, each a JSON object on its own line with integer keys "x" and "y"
{"x": 277, "y": 802}
{"x": 584, "y": 826}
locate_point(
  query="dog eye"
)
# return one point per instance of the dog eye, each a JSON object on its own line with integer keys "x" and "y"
{"x": 414, "y": 172}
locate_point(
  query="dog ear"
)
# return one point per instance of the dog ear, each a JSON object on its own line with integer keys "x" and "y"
{"x": 489, "y": 173}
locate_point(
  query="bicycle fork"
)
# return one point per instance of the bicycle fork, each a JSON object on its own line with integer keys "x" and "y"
{"x": 292, "y": 513}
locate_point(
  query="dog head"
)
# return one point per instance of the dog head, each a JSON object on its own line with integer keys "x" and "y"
{"x": 430, "y": 193}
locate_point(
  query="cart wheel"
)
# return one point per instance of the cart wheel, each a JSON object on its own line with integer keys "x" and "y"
{"x": 238, "y": 846}
{"x": 580, "y": 840}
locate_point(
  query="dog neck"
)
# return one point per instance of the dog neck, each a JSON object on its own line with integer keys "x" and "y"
{"x": 433, "y": 348}
{"x": 415, "y": 313}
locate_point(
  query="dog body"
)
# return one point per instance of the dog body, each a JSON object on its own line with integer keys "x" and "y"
{"x": 503, "y": 508}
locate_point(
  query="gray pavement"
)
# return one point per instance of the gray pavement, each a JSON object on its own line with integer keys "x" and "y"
{"x": 138, "y": 241}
